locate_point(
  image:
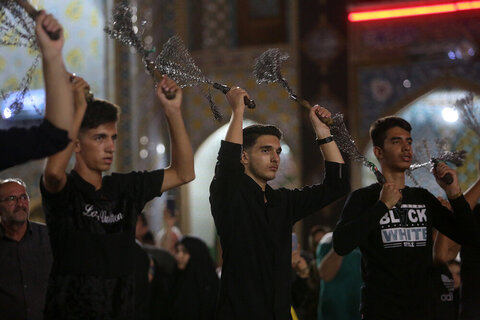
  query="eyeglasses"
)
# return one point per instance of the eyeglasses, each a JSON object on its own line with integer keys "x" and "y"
{"x": 12, "y": 199}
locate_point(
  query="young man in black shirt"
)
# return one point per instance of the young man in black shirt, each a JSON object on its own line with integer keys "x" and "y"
{"x": 395, "y": 238}
{"x": 91, "y": 217}
{"x": 255, "y": 222}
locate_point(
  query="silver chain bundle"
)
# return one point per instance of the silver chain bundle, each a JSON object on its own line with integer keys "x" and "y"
{"x": 467, "y": 111}
{"x": 174, "y": 60}
{"x": 17, "y": 29}
{"x": 267, "y": 69}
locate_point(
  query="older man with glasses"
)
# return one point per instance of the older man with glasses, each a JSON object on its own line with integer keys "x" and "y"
{"x": 25, "y": 255}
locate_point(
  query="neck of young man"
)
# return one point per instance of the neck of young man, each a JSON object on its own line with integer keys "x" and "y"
{"x": 395, "y": 176}
{"x": 15, "y": 230}
{"x": 261, "y": 182}
{"x": 94, "y": 177}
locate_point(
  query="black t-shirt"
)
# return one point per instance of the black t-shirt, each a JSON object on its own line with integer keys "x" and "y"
{"x": 256, "y": 236}
{"x": 470, "y": 275}
{"x": 396, "y": 247}
{"x": 92, "y": 234}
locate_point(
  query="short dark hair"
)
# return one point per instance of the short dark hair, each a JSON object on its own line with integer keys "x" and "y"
{"x": 99, "y": 112}
{"x": 251, "y": 133}
{"x": 378, "y": 129}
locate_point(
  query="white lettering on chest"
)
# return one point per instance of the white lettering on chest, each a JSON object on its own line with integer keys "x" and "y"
{"x": 405, "y": 227}
{"x": 101, "y": 215}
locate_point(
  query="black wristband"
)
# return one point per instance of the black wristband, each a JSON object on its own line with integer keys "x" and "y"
{"x": 324, "y": 140}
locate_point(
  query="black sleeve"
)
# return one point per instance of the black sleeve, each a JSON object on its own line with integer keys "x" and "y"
{"x": 226, "y": 181}
{"x": 19, "y": 145}
{"x": 140, "y": 186}
{"x": 55, "y": 207}
{"x": 312, "y": 198}
{"x": 360, "y": 215}
{"x": 459, "y": 225}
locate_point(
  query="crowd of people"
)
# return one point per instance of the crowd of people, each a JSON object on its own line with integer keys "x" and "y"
{"x": 97, "y": 259}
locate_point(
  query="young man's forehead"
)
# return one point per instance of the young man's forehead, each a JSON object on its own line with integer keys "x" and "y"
{"x": 267, "y": 140}
{"x": 397, "y": 132}
{"x": 109, "y": 128}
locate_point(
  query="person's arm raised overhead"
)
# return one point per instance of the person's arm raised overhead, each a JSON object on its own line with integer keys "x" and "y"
{"x": 235, "y": 98}
{"x": 328, "y": 146}
{"x": 54, "y": 176}
{"x": 59, "y": 107}
{"x": 181, "y": 169}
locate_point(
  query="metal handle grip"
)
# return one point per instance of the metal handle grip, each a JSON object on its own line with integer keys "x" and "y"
{"x": 248, "y": 102}
{"x": 306, "y": 104}
{"x": 448, "y": 178}
{"x": 152, "y": 69}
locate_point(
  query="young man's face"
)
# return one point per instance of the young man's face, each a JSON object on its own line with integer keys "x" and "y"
{"x": 396, "y": 154}
{"x": 95, "y": 147}
{"x": 14, "y": 211}
{"x": 262, "y": 160}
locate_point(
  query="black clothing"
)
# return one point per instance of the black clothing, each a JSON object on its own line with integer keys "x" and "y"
{"x": 305, "y": 291}
{"x": 192, "y": 293}
{"x": 256, "y": 236}
{"x": 24, "y": 269}
{"x": 18, "y": 145}
{"x": 445, "y": 301}
{"x": 162, "y": 258}
{"x": 470, "y": 275}
{"x": 93, "y": 235}
{"x": 396, "y": 247}
{"x": 142, "y": 284}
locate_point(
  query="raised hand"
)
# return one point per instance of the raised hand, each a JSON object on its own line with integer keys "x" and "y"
{"x": 390, "y": 195}
{"x": 453, "y": 189}
{"x": 45, "y": 24}
{"x": 235, "y": 97}
{"x": 80, "y": 87}
{"x": 164, "y": 87}
{"x": 321, "y": 129}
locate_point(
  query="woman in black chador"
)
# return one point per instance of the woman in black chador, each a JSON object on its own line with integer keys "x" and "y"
{"x": 193, "y": 286}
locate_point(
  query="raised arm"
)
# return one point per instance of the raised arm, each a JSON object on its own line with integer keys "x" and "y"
{"x": 181, "y": 168}
{"x": 329, "y": 266}
{"x": 54, "y": 176}
{"x": 59, "y": 98}
{"x": 329, "y": 148}
{"x": 460, "y": 224}
{"x": 445, "y": 249}
{"x": 235, "y": 99}
{"x": 362, "y": 212}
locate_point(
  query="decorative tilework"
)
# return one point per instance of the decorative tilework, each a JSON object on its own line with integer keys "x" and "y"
{"x": 381, "y": 87}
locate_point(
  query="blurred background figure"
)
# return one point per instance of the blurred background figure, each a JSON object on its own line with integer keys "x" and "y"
{"x": 340, "y": 283}
{"x": 190, "y": 292}
{"x": 317, "y": 232}
{"x": 305, "y": 284}
{"x": 142, "y": 230}
{"x": 170, "y": 234}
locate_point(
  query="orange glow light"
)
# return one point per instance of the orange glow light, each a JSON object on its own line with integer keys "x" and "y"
{"x": 413, "y": 11}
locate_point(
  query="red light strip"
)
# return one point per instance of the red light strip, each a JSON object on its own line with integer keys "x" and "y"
{"x": 413, "y": 11}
